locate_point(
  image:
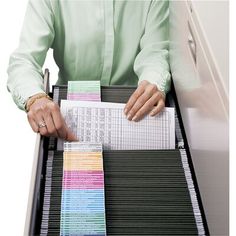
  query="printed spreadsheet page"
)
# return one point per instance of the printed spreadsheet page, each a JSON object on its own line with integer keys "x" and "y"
{"x": 106, "y": 123}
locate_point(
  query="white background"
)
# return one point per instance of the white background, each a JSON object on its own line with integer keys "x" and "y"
{"x": 17, "y": 140}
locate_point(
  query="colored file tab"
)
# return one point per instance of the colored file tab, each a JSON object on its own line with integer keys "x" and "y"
{"x": 84, "y": 91}
{"x": 83, "y": 198}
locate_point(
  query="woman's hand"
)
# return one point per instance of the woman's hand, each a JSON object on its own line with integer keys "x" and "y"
{"x": 146, "y": 99}
{"x": 45, "y": 118}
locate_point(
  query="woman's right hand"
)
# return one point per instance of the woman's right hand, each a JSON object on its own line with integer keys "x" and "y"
{"x": 45, "y": 118}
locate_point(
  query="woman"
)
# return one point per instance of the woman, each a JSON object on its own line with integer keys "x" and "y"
{"x": 116, "y": 42}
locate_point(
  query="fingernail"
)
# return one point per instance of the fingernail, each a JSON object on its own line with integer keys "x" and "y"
{"x": 134, "y": 118}
{"x": 151, "y": 113}
{"x": 129, "y": 116}
{"x": 125, "y": 111}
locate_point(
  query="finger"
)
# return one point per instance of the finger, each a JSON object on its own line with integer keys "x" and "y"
{"x": 32, "y": 122}
{"x": 157, "y": 109}
{"x": 47, "y": 117}
{"x": 138, "y": 104}
{"x": 34, "y": 126}
{"x": 42, "y": 130}
{"x": 52, "y": 131}
{"x": 147, "y": 107}
{"x": 38, "y": 118}
{"x": 37, "y": 113}
{"x": 151, "y": 90}
{"x": 58, "y": 121}
{"x": 60, "y": 125}
{"x": 70, "y": 136}
{"x": 133, "y": 98}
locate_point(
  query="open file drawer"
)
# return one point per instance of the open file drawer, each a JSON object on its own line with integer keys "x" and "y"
{"x": 159, "y": 196}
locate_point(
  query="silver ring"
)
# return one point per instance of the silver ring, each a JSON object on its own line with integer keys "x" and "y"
{"x": 41, "y": 124}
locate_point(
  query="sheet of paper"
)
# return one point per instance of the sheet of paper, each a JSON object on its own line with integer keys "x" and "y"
{"x": 106, "y": 123}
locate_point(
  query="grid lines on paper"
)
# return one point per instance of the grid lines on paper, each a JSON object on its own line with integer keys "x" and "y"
{"x": 110, "y": 127}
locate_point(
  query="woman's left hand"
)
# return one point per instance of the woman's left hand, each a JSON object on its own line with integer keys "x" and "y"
{"x": 146, "y": 99}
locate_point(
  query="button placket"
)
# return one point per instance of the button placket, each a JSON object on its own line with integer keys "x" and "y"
{"x": 109, "y": 42}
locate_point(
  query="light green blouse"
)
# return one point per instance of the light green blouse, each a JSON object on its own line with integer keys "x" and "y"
{"x": 116, "y": 42}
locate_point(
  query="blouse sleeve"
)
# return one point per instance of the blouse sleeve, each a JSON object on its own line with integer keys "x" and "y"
{"x": 25, "y": 76}
{"x": 151, "y": 63}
